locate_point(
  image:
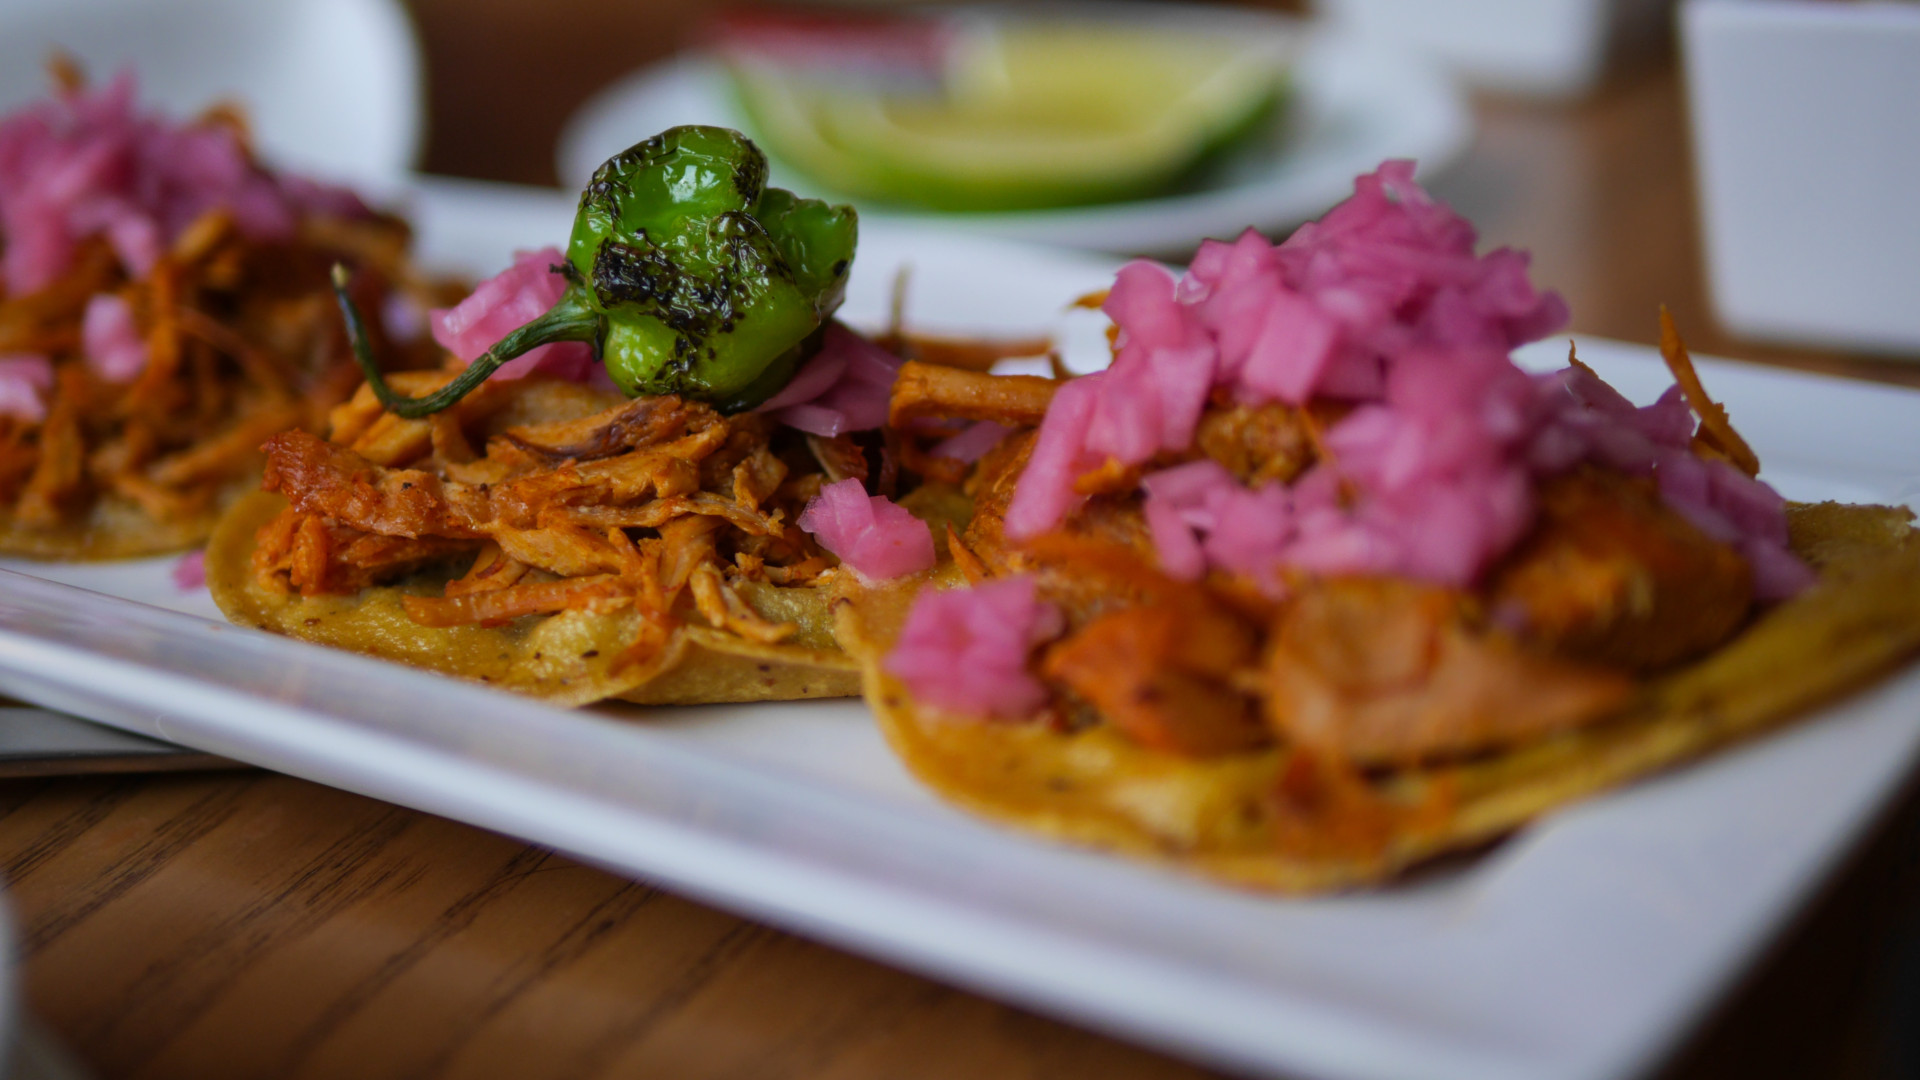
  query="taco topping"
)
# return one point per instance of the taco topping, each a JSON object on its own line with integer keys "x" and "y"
{"x": 25, "y": 379}
{"x": 109, "y": 340}
{"x": 86, "y": 164}
{"x": 552, "y": 496}
{"x": 166, "y": 307}
{"x": 502, "y": 304}
{"x": 1313, "y": 502}
{"x": 685, "y": 274}
{"x": 189, "y": 574}
{"x": 967, "y": 650}
{"x": 845, "y": 387}
{"x": 875, "y": 536}
{"x": 972, "y": 443}
{"x": 1383, "y": 308}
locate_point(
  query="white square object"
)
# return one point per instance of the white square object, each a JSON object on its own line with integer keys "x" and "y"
{"x": 1547, "y": 48}
{"x": 1806, "y": 135}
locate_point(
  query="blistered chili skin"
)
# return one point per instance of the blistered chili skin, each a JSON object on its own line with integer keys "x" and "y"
{"x": 708, "y": 280}
{"x": 685, "y": 273}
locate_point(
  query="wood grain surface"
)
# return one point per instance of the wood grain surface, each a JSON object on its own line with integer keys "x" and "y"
{"x": 212, "y": 927}
{"x": 249, "y": 925}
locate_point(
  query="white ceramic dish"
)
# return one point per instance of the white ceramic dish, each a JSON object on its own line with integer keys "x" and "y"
{"x": 1580, "y": 950}
{"x": 1359, "y": 102}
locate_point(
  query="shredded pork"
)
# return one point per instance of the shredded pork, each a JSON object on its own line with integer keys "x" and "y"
{"x": 242, "y": 340}
{"x": 1363, "y": 671}
{"x": 657, "y": 503}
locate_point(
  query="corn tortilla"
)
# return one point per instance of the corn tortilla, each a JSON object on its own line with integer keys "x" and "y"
{"x": 571, "y": 658}
{"x": 1218, "y": 817}
{"x": 116, "y": 527}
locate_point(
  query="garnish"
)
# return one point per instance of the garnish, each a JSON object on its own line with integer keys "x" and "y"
{"x": 685, "y": 275}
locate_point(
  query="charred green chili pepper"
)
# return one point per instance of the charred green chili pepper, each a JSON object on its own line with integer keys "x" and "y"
{"x": 686, "y": 274}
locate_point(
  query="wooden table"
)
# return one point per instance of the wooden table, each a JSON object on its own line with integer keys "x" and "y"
{"x": 250, "y": 925}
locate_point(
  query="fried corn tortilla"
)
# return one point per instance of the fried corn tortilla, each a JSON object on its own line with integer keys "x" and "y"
{"x": 115, "y": 527}
{"x": 1220, "y": 817}
{"x": 569, "y": 658}
{"x": 551, "y": 538}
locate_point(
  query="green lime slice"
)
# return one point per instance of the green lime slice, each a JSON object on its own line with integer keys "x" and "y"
{"x": 1030, "y": 115}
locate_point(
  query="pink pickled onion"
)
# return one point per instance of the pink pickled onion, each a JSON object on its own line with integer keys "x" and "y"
{"x": 812, "y": 380}
{"x": 845, "y": 387}
{"x": 1332, "y": 311}
{"x": 24, "y": 378}
{"x": 1382, "y": 303}
{"x": 504, "y": 303}
{"x": 973, "y": 443}
{"x": 190, "y": 572}
{"x": 870, "y": 533}
{"x": 87, "y": 164}
{"x": 965, "y": 650}
{"x": 1045, "y": 492}
{"x": 1734, "y": 508}
{"x": 112, "y": 345}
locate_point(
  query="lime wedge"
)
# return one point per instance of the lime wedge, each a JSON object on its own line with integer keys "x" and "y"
{"x": 1027, "y": 115}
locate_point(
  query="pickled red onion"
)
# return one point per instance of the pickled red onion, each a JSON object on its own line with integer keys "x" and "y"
{"x": 504, "y": 303}
{"x": 1384, "y": 304}
{"x": 24, "y": 378}
{"x": 110, "y": 341}
{"x": 965, "y": 650}
{"x": 87, "y": 164}
{"x": 971, "y": 444}
{"x": 872, "y": 534}
{"x": 844, "y": 387}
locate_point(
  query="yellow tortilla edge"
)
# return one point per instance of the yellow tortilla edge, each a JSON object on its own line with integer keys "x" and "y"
{"x": 572, "y": 658}
{"x": 118, "y": 528}
{"x": 1095, "y": 789}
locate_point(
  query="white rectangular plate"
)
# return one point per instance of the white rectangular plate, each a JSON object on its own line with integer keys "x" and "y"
{"x": 1582, "y": 948}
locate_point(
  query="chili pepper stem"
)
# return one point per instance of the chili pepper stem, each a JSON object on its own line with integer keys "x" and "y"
{"x": 570, "y": 319}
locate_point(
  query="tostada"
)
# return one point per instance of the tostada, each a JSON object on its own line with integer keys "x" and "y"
{"x": 165, "y": 305}
{"x": 1314, "y": 583}
{"x": 602, "y": 494}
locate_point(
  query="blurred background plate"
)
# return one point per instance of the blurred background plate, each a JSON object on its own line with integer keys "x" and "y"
{"x": 331, "y": 87}
{"x": 1357, "y": 101}
{"x": 1540, "y": 48}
